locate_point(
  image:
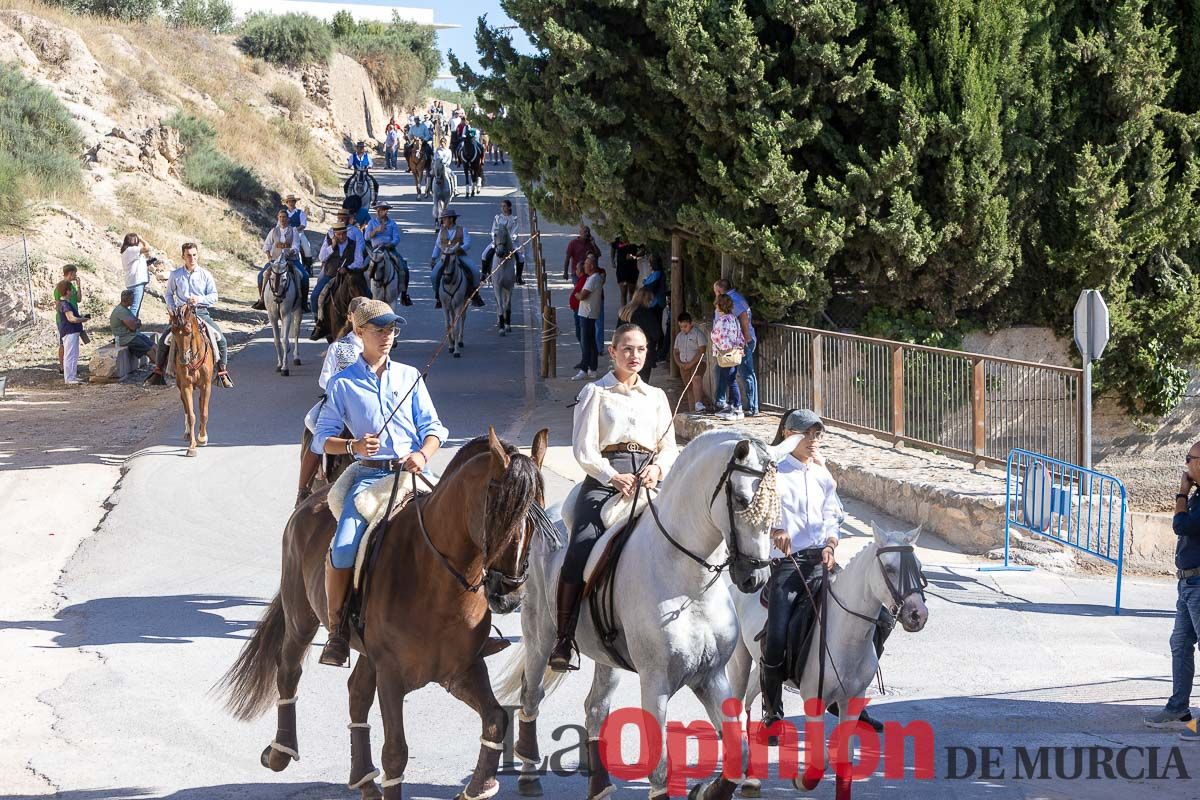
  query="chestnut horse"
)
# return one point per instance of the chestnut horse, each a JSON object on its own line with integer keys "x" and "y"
{"x": 424, "y": 617}
{"x": 192, "y": 354}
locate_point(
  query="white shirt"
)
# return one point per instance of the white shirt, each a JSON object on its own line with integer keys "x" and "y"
{"x": 609, "y": 412}
{"x": 279, "y": 240}
{"x": 690, "y": 344}
{"x": 506, "y": 221}
{"x": 810, "y": 510}
{"x": 136, "y": 270}
{"x": 341, "y": 354}
{"x": 590, "y": 306}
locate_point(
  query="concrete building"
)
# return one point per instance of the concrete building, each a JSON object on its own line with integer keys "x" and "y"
{"x": 325, "y": 11}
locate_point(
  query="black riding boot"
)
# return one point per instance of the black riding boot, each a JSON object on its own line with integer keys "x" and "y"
{"x": 520, "y": 271}
{"x": 158, "y": 377}
{"x": 771, "y": 683}
{"x": 476, "y": 300}
{"x": 304, "y": 294}
{"x": 568, "y": 601}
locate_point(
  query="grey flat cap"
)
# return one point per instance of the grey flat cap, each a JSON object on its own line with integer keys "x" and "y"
{"x": 802, "y": 419}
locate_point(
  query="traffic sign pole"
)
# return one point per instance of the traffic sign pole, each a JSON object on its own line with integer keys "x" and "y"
{"x": 1091, "y": 337}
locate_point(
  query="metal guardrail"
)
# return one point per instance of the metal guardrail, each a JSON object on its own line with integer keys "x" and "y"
{"x": 967, "y": 404}
{"x": 1065, "y": 503}
{"x": 17, "y": 314}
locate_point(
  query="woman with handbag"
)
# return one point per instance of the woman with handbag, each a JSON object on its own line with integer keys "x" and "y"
{"x": 729, "y": 347}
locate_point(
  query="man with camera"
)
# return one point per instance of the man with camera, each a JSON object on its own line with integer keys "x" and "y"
{"x": 1178, "y": 713}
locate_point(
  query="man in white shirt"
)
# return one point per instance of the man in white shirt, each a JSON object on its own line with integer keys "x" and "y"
{"x": 193, "y": 285}
{"x": 803, "y": 544}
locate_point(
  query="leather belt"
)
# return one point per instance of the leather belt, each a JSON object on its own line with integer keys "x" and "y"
{"x": 390, "y": 464}
{"x": 1181, "y": 574}
{"x": 624, "y": 447}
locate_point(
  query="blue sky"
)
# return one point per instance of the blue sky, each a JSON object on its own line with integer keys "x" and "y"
{"x": 466, "y": 14}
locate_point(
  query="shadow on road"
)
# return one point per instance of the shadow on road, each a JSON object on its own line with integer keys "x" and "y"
{"x": 169, "y": 619}
{"x": 282, "y": 790}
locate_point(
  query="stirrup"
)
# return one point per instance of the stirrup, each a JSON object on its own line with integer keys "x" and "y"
{"x": 223, "y": 380}
{"x": 336, "y": 652}
{"x": 560, "y": 665}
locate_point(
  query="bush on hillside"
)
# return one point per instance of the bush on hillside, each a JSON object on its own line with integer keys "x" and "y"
{"x": 289, "y": 96}
{"x": 39, "y": 145}
{"x": 209, "y": 15}
{"x": 401, "y": 57}
{"x": 128, "y": 10}
{"x": 289, "y": 39}
{"x": 194, "y": 132}
{"x": 209, "y": 171}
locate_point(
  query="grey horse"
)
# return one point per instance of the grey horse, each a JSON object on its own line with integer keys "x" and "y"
{"x": 442, "y": 188}
{"x": 281, "y": 294}
{"x": 388, "y": 276}
{"x": 504, "y": 277}
{"x": 452, "y": 292}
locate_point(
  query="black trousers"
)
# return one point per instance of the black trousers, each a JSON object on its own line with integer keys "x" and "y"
{"x": 787, "y": 590}
{"x": 588, "y": 527}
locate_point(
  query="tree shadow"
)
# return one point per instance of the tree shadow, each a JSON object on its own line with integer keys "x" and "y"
{"x": 172, "y": 619}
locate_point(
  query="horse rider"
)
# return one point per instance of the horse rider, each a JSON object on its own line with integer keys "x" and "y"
{"x": 803, "y": 542}
{"x": 344, "y": 351}
{"x": 623, "y": 432}
{"x": 362, "y": 398}
{"x": 299, "y": 221}
{"x": 507, "y": 221}
{"x": 192, "y": 285}
{"x": 384, "y": 234}
{"x": 453, "y": 238}
{"x": 442, "y": 155}
{"x": 359, "y": 161}
{"x": 339, "y": 256}
{"x": 417, "y": 132}
{"x": 283, "y": 239}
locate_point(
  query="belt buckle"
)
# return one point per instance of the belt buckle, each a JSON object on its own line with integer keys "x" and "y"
{"x": 631, "y": 447}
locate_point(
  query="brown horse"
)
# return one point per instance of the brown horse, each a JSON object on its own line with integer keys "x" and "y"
{"x": 419, "y": 153}
{"x": 335, "y": 300}
{"x": 192, "y": 354}
{"x": 424, "y": 617}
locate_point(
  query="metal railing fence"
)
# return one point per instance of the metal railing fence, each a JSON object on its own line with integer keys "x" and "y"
{"x": 967, "y": 404}
{"x": 17, "y": 312}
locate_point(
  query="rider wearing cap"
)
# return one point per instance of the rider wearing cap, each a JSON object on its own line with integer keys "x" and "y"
{"x": 361, "y": 398}
{"x": 453, "y": 238}
{"x": 360, "y": 161}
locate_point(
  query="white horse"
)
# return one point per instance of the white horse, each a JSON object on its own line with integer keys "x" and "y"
{"x": 281, "y": 294}
{"x": 361, "y": 184}
{"x": 676, "y": 620}
{"x": 884, "y": 575}
{"x": 442, "y": 188}
{"x": 504, "y": 278}
{"x": 452, "y": 292}
{"x": 388, "y": 276}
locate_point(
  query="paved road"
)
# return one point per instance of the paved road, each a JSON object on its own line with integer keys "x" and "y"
{"x": 160, "y": 600}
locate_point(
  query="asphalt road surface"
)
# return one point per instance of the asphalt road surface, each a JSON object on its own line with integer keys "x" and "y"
{"x": 163, "y": 596}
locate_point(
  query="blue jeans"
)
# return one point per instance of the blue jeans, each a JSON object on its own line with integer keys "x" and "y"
{"x": 139, "y": 291}
{"x": 727, "y": 385}
{"x": 749, "y": 377}
{"x": 316, "y": 292}
{"x": 1183, "y": 645}
{"x": 352, "y": 525}
{"x": 140, "y": 345}
{"x": 601, "y": 345}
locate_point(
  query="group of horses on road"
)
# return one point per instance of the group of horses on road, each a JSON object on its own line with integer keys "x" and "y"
{"x": 683, "y": 601}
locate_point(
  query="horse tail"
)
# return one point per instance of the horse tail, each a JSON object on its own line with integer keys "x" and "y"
{"x": 249, "y": 685}
{"x": 512, "y": 678}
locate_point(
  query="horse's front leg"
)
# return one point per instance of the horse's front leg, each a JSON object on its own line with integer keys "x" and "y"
{"x": 189, "y": 413}
{"x": 295, "y": 333}
{"x": 276, "y": 324}
{"x": 714, "y": 692}
{"x": 205, "y": 394}
{"x": 362, "y": 696}
{"x": 655, "y": 693}
{"x": 395, "y": 748}
{"x": 605, "y": 681}
{"x": 474, "y": 689}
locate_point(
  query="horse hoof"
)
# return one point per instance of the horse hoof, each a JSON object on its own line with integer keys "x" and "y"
{"x": 278, "y": 368}
{"x": 808, "y": 782}
{"x": 274, "y": 760}
{"x": 751, "y": 789}
{"x": 458, "y": 355}
{"x": 529, "y": 788}
{"x": 202, "y": 441}
{"x": 191, "y": 452}
{"x": 295, "y": 362}
{"x": 502, "y": 333}
{"x": 371, "y": 791}
{"x": 285, "y": 372}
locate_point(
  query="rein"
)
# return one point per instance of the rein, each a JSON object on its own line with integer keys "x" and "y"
{"x": 186, "y": 358}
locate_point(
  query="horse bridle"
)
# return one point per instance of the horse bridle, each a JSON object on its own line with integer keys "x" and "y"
{"x": 731, "y": 540}
{"x": 190, "y": 364}
{"x": 276, "y": 283}
{"x": 912, "y": 580}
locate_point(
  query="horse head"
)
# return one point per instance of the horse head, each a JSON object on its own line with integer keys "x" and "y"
{"x": 182, "y": 321}
{"x": 513, "y": 515}
{"x": 898, "y": 584}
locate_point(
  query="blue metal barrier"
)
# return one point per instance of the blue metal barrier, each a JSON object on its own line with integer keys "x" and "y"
{"x": 1065, "y": 503}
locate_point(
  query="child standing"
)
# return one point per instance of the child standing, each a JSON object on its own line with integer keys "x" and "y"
{"x": 689, "y": 356}
{"x": 73, "y": 293}
{"x": 70, "y": 328}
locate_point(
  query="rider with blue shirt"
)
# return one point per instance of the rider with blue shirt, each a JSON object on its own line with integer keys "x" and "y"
{"x": 360, "y": 161}
{"x": 361, "y": 398}
{"x": 384, "y": 234}
{"x": 453, "y": 238}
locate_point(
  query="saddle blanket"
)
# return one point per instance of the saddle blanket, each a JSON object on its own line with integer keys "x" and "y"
{"x": 613, "y": 516}
{"x": 166, "y": 342}
{"x": 372, "y": 504}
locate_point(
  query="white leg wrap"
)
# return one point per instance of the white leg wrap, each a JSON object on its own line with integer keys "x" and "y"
{"x": 523, "y": 717}
{"x": 486, "y": 793}
{"x": 285, "y": 750}
{"x": 365, "y": 780}
{"x": 291, "y": 701}
{"x": 491, "y": 745}
{"x": 354, "y": 725}
{"x": 391, "y": 782}
{"x": 523, "y": 759}
{"x": 605, "y": 792}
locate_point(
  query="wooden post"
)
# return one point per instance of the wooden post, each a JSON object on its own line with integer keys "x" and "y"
{"x": 818, "y": 378}
{"x": 898, "y": 393}
{"x": 978, "y": 423}
{"x": 551, "y": 336}
{"x": 676, "y": 293}
{"x": 727, "y": 266}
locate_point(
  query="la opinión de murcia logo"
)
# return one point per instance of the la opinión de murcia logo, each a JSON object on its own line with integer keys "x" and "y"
{"x": 720, "y": 752}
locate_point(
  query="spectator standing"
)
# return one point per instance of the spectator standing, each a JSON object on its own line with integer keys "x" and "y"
{"x": 638, "y": 312}
{"x": 689, "y": 357}
{"x": 727, "y": 336}
{"x": 577, "y": 250}
{"x": 70, "y": 331}
{"x": 74, "y": 293}
{"x": 745, "y": 370}
{"x": 1178, "y": 712}
{"x": 591, "y": 302}
{"x": 574, "y": 304}
{"x": 126, "y": 327}
{"x": 656, "y": 282}
{"x": 625, "y": 264}
{"x": 134, "y": 259}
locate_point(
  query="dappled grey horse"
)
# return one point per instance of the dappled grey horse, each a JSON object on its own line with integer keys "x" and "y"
{"x": 504, "y": 277}
{"x": 388, "y": 276}
{"x": 452, "y": 292}
{"x": 281, "y": 294}
{"x": 442, "y": 188}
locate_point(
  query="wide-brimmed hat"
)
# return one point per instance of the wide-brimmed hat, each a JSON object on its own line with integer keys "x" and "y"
{"x": 292, "y": 197}
{"x": 449, "y": 212}
{"x": 339, "y": 228}
{"x": 383, "y": 204}
{"x": 359, "y": 144}
{"x": 375, "y": 312}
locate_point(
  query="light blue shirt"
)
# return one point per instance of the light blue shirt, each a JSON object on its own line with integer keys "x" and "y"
{"x": 421, "y": 131}
{"x": 198, "y": 283}
{"x": 740, "y": 305}
{"x": 358, "y": 400}
{"x": 390, "y": 236}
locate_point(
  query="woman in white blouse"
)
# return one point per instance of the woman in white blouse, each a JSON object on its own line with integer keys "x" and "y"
{"x": 283, "y": 239}
{"x": 137, "y": 268}
{"x": 623, "y": 431}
